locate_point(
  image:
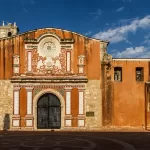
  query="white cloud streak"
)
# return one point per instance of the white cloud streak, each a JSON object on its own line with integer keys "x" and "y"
{"x": 133, "y": 52}
{"x": 88, "y": 33}
{"x": 147, "y": 39}
{"x": 25, "y": 4}
{"x": 96, "y": 14}
{"x": 120, "y": 33}
{"x": 120, "y": 9}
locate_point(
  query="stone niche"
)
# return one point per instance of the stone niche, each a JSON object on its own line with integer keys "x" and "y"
{"x": 15, "y": 65}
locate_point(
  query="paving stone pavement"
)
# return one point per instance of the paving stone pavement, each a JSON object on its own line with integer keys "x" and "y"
{"x": 75, "y": 140}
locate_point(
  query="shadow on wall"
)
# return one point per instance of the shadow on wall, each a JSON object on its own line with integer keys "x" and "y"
{"x": 6, "y": 122}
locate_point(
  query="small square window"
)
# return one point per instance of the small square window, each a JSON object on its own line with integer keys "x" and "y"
{"x": 90, "y": 114}
{"x": 139, "y": 74}
{"x": 118, "y": 73}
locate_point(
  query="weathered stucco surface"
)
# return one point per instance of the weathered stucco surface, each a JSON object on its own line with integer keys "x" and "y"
{"x": 129, "y": 95}
{"x": 6, "y": 104}
{"x": 93, "y": 103}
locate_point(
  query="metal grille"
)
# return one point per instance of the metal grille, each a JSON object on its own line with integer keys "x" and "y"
{"x": 48, "y": 112}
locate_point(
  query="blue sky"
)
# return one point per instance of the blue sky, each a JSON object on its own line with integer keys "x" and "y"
{"x": 125, "y": 23}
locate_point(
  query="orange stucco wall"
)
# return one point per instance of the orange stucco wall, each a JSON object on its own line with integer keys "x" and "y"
{"x": 129, "y": 95}
{"x": 82, "y": 46}
{"x": 23, "y": 105}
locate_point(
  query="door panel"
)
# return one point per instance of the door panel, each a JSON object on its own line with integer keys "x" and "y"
{"x": 54, "y": 117}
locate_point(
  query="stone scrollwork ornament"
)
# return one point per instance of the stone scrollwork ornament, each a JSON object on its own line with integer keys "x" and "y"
{"x": 107, "y": 58}
{"x": 107, "y": 61}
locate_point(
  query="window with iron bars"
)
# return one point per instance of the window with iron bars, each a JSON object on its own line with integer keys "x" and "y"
{"x": 139, "y": 74}
{"x": 118, "y": 73}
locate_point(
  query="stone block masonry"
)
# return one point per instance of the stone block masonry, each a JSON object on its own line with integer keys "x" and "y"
{"x": 93, "y": 103}
{"x": 6, "y": 104}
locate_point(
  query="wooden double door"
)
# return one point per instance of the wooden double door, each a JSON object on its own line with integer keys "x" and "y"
{"x": 48, "y": 112}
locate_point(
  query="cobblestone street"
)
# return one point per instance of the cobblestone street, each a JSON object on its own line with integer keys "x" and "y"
{"x": 75, "y": 140}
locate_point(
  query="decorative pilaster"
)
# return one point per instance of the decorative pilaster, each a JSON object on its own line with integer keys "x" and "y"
{"x": 29, "y": 55}
{"x": 29, "y": 48}
{"x": 16, "y": 107}
{"x": 68, "y": 60}
{"x": 81, "y": 115}
{"x": 68, "y": 117}
{"x": 81, "y": 102}
{"x": 29, "y": 116}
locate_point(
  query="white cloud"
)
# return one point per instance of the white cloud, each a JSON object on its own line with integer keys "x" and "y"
{"x": 120, "y": 33}
{"x": 96, "y": 14}
{"x": 25, "y": 4}
{"x": 120, "y": 9}
{"x": 88, "y": 33}
{"x": 147, "y": 39}
{"x": 133, "y": 52}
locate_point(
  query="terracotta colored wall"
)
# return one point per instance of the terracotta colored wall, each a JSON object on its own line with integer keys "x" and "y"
{"x": 82, "y": 46}
{"x": 129, "y": 95}
{"x": 74, "y": 106}
{"x": 23, "y": 105}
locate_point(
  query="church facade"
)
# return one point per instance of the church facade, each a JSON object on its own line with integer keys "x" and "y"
{"x": 53, "y": 79}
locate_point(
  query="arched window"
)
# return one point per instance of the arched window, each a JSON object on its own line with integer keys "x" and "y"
{"x": 9, "y": 34}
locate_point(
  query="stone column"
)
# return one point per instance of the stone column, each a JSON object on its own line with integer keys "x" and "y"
{"x": 81, "y": 113}
{"x": 16, "y": 108}
{"x": 68, "y": 116}
{"x": 29, "y": 115}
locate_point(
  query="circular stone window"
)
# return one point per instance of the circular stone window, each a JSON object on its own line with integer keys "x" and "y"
{"x": 49, "y": 47}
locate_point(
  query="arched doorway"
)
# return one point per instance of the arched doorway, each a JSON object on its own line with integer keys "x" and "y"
{"x": 48, "y": 112}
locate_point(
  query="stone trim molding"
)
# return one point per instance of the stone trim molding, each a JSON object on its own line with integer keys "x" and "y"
{"x": 68, "y": 102}
{"x": 28, "y": 88}
{"x": 68, "y": 61}
{"x": 46, "y": 85}
{"x": 29, "y": 102}
{"x": 29, "y": 60}
{"x": 53, "y": 79}
{"x": 81, "y": 102}
{"x": 16, "y": 101}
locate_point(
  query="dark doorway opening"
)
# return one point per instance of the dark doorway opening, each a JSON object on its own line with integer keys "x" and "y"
{"x": 9, "y": 34}
{"x": 48, "y": 112}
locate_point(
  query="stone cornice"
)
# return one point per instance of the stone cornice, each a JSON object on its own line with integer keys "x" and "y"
{"x": 53, "y": 79}
{"x": 62, "y": 41}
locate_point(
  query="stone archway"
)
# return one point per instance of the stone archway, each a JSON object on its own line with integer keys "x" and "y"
{"x": 35, "y": 106}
